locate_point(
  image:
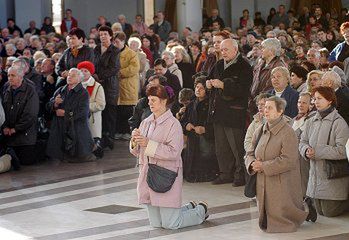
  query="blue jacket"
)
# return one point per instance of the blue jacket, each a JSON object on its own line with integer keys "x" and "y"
{"x": 336, "y": 51}
{"x": 291, "y": 97}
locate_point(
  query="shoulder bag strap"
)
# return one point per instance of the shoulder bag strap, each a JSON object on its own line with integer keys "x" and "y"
{"x": 329, "y": 133}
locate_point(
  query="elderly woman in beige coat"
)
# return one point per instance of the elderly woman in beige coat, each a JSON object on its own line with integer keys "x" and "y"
{"x": 324, "y": 137}
{"x": 275, "y": 161}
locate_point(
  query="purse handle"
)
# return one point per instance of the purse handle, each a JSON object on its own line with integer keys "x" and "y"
{"x": 146, "y": 135}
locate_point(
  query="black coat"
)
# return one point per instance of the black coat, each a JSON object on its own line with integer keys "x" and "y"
{"x": 21, "y": 108}
{"x": 68, "y": 61}
{"x": 228, "y": 107}
{"x": 107, "y": 68}
{"x": 34, "y": 31}
{"x": 342, "y": 95}
{"x": 140, "y": 112}
{"x": 199, "y": 156}
{"x": 75, "y": 103}
{"x": 173, "y": 82}
{"x": 48, "y": 28}
{"x": 210, "y": 21}
{"x": 188, "y": 71}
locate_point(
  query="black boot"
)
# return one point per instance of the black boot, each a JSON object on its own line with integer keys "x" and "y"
{"x": 312, "y": 215}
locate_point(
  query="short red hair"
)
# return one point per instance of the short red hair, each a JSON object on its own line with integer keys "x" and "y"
{"x": 224, "y": 34}
{"x": 344, "y": 26}
{"x": 328, "y": 93}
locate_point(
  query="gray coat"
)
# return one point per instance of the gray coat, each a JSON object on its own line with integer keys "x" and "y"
{"x": 315, "y": 135}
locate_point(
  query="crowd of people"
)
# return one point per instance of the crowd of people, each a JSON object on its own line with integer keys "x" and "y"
{"x": 269, "y": 99}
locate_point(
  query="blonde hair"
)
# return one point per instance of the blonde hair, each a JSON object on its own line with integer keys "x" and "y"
{"x": 185, "y": 55}
{"x": 318, "y": 72}
{"x": 39, "y": 54}
{"x": 116, "y": 27}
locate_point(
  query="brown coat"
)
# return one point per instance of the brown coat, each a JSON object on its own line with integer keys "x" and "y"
{"x": 279, "y": 193}
{"x": 261, "y": 80}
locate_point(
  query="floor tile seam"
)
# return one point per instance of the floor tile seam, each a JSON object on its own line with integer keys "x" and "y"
{"x": 161, "y": 232}
{"x": 65, "y": 194}
{"x": 76, "y": 187}
{"x": 120, "y": 226}
{"x": 65, "y": 183}
{"x": 67, "y": 199}
{"x": 59, "y": 180}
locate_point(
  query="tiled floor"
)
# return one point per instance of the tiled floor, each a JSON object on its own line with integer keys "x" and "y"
{"x": 58, "y": 201}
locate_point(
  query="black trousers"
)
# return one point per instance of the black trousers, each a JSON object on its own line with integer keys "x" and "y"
{"x": 229, "y": 144}
{"x": 25, "y": 154}
{"x": 109, "y": 116}
{"x": 124, "y": 112}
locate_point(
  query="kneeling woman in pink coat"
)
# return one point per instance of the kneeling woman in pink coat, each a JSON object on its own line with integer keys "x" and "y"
{"x": 159, "y": 140}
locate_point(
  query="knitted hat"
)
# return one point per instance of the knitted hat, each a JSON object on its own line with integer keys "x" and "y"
{"x": 300, "y": 71}
{"x": 87, "y": 65}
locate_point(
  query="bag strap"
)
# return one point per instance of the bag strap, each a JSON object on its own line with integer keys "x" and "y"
{"x": 329, "y": 133}
{"x": 259, "y": 137}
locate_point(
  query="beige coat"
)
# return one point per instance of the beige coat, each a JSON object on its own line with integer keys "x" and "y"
{"x": 256, "y": 123}
{"x": 97, "y": 105}
{"x": 279, "y": 193}
{"x": 129, "y": 77}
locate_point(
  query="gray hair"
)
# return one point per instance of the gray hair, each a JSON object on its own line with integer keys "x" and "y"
{"x": 272, "y": 44}
{"x": 261, "y": 96}
{"x": 80, "y": 74}
{"x": 121, "y": 16}
{"x": 316, "y": 52}
{"x": 272, "y": 33}
{"x": 134, "y": 39}
{"x": 19, "y": 70}
{"x": 168, "y": 53}
{"x": 10, "y": 45}
{"x": 333, "y": 77}
{"x": 280, "y": 103}
{"x": 284, "y": 71}
{"x": 20, "y": 63}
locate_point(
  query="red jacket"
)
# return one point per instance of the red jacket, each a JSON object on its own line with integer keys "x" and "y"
{"x": 64, "y": 25}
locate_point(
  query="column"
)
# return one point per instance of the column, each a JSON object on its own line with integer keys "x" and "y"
{"x": 189, "y": 14}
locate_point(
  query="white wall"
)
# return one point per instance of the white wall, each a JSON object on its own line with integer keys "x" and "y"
{"x": 345, "y": 3}
{"x": 6, "y": 11}
{"x": 265, "y": 5}
{"x": 27, "y": 10}
{"x": 87, "y": 11}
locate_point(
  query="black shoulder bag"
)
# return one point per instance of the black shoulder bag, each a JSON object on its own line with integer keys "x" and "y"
{"x": 250, "y": 190}
{"x": 336, "y": 168}
{"x": 160, "y": 179}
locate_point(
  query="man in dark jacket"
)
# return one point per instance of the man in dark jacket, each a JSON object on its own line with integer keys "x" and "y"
{"x": 214, "y": 17}
{"x": 229, "y": 83}
{"x": 21, "y": 106}
{"x": 280, "y": 77}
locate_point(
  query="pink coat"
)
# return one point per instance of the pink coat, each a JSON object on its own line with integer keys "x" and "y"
{"x": 164, "y": 149}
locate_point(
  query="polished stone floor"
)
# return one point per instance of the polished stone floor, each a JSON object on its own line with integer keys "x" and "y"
{"x": 58, "y": 201}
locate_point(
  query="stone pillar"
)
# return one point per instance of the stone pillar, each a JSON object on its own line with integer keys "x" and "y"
{"x": 189, "y": 14}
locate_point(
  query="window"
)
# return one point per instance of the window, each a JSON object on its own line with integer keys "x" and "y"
{"x": 57, "y": 14}
{"x": 148, "y": 11}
